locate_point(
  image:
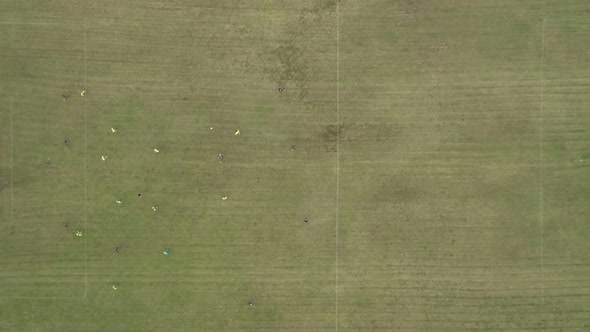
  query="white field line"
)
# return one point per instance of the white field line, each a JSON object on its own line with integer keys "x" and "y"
{"x": 337, "y": 154}
{"x": 41, "y": 297}
{"x": 28, "y": 23}
{"x": 11, "y": 167}
{"x": 573, "y": 19}
{"x": 541, "y": 161}
{"x": 85, "y": 181}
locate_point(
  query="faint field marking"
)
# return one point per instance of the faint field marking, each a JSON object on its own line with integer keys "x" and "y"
{"x": 11, "y": 167}
{"x": 337, "y": 153}
{"x": 541, "y": 161}
{"x": 29, "y": 23}
{"x": 85, "y": 177}
{"x": 41, "y": 297}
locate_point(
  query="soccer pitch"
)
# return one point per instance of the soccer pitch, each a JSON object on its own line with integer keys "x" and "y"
{"x": 424, "y": 166}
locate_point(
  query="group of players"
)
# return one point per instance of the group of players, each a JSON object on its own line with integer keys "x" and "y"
{"x": 166, "y": 252}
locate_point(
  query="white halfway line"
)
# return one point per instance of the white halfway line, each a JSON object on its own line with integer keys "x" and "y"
{"x": 337, "y": 155}
{"x": 541, "y": 162}
{"x": 11, "y": 167}
{"x": 85, "y": 180}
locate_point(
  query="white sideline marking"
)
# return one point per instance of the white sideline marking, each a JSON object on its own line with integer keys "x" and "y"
{"x": 337, "y": 150}
{"x": 11, "y": 168}
{"x": 85, "y": 171}
{"x": 541, "y": 161}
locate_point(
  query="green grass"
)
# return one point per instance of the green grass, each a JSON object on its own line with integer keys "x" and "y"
{"x": 459, "y": 202}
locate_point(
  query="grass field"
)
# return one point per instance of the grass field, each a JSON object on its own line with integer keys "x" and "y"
{"x": 442, "y": 160}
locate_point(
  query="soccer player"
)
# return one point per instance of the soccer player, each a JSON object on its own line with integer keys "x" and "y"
{"x": 117, "y": 250}
{"x": 293, "y": 148}
{"x": 220, "y": 157}
{"x": 305, "y": 221}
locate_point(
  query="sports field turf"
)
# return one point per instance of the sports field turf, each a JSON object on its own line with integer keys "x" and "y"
{"x": 442, "y": 153}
